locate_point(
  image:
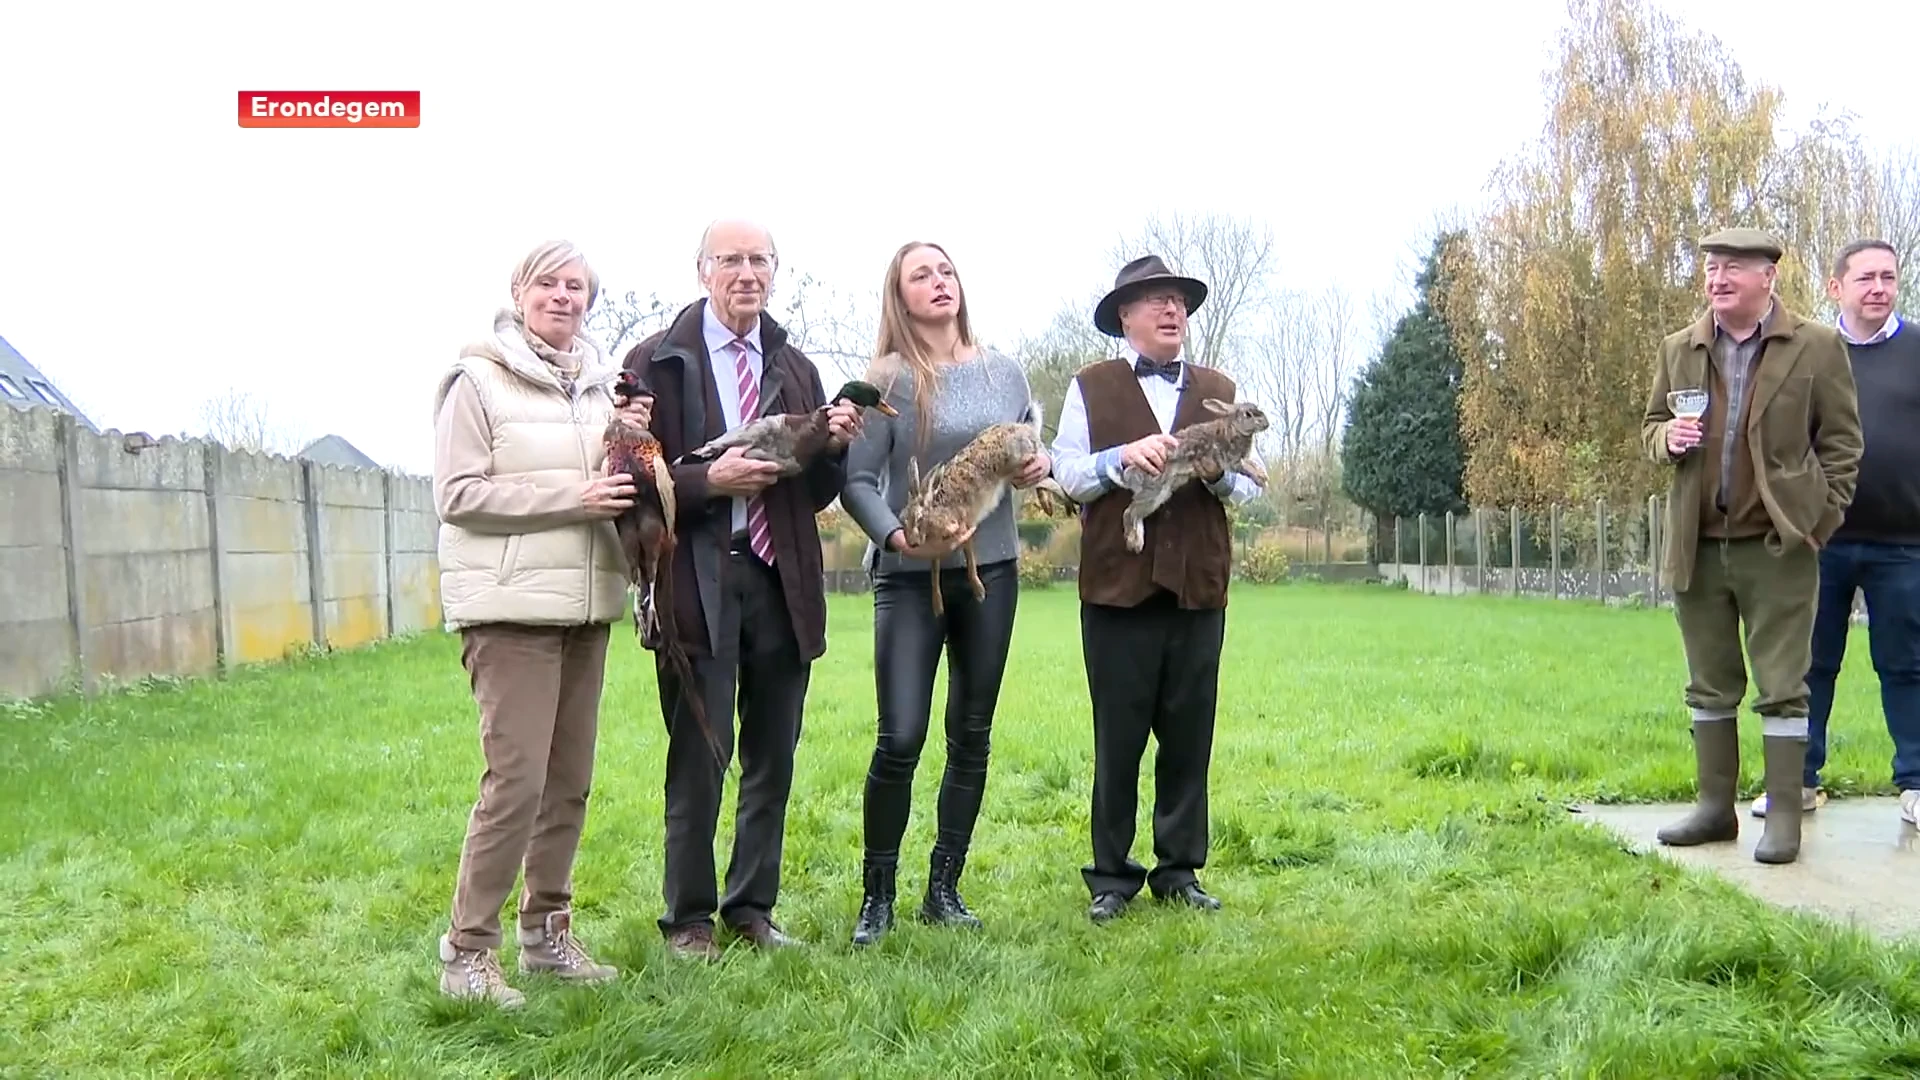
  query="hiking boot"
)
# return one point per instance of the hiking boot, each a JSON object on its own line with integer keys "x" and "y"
{"x": 475, "y": 973}
{"x": 1716, "y": 753}
{"x": 943, "y": 905}
{"x": 876, "y": 904}
{"x": 1786, "y": 760}
{"x": 693, "y": 941}
{"x": 552, "y": 949}
{"x": 1811, "y": 799}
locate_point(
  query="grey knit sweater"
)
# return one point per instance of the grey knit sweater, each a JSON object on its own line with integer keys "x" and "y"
{"x": 989, "y": 389}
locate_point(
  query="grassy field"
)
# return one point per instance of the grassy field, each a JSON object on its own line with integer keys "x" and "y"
{"x": 247, "y": 878}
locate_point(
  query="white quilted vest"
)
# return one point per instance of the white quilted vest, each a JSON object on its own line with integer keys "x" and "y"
{"x": 564, "y": 576}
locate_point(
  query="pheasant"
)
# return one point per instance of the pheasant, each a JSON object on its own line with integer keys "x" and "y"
{"x": 647, "y": 543}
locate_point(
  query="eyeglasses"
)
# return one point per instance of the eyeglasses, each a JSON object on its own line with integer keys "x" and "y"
{"x": 734, "y": 260}
{"x": 1164, "y": 300}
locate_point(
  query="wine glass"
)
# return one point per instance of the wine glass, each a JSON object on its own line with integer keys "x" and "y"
{"x": 1687, "y": 404}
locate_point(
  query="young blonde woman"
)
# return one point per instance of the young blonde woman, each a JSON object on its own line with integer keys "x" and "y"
{"x": 947, "y": 389}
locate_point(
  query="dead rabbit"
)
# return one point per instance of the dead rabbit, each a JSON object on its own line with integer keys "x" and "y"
{"x": 958, "y": 494}
{"x": 1224, "y": 444}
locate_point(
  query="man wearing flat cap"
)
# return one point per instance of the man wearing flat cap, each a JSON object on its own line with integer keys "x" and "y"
{"x": 1151, "y": 624}
{"x": 1754, "y": 408}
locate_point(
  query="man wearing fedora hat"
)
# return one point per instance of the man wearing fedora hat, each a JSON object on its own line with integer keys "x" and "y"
{"x": 1151, "y": 624}
{"x": 1761, "y": 477}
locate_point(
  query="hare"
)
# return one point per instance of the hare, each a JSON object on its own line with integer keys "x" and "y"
{"x": 961, "y": 491}
{"x": 1225, "y": 443}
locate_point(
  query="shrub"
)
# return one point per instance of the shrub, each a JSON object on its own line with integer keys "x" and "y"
{"x": 1035, "y": 573}
{"x": 1265, "y": 563}
{"x": 1035, "y": 533}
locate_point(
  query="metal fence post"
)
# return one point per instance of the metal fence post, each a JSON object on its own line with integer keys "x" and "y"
{"x": 1600, "y": 533}
{"x": 1513, "y": 543}
{"x": 1553, "y": 539}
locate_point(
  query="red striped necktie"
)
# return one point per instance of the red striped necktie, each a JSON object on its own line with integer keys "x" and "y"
{"x": 759, "y": 535}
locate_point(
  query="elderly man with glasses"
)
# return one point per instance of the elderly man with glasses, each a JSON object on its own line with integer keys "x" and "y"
{"x": 749, "y": 596}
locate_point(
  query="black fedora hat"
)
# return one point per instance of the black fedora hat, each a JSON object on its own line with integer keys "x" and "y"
{"x": 1142, "y": 273}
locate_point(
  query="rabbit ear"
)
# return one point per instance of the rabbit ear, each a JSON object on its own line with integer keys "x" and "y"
{"x": 1215, "y": 405}
{"x": 913, "y": 476}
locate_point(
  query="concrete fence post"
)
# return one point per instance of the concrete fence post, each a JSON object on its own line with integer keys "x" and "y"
{"x": 74, "y": 557}
{"x": 223, "y": 628}
{"x": 1423, "y": 551}
{"x": 386, "y": 544}
{"x": 316, "y": 557}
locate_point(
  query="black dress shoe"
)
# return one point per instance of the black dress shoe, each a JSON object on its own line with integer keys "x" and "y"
{"x": 1192, "y": 895}
{"x": 1107, "y": 906}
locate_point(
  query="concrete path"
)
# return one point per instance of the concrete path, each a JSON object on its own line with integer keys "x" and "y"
{"x": 1858, "y": 861}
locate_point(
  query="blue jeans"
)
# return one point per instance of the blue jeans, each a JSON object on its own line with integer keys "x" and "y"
{"x": 1889, "y": 575}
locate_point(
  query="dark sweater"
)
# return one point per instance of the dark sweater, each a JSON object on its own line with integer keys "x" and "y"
{"x": 1886, "y": 507}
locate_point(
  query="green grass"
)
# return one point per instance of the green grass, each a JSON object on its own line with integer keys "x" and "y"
{"x": 247, "y": 877}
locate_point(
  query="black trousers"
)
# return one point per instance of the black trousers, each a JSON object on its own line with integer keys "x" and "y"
{"x": 907, "y": 641}
{"x": 767, "y": 679}
{"x": 1152, "y": 669}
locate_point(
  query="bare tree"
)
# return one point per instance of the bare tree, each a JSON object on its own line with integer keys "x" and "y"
{"x": 1053, "y": 356}
{"x": 837, "y": 332}
{"x": 620, "y": 323}
{"x": 240, "y": 420}
{"x": 1896, "y": 212}
{"x": 1235, "y": 257}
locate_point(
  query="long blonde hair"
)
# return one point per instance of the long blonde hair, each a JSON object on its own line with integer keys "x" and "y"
{"x": 900, "y": 343}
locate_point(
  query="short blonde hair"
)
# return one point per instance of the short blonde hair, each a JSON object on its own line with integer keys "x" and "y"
{"x": 548, "y": 258}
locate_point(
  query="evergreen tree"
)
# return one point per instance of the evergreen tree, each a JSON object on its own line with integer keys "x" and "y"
{"x": 1402, "y": 453}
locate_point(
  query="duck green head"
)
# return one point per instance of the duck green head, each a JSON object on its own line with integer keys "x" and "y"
{"x": 866, "y": 395}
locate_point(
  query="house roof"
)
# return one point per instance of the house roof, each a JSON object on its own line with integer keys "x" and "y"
{"x": 334, "y": 450}
{"x": 22, "y": 384}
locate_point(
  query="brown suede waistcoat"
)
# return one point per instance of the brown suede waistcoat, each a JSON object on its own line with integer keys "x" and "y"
{"x": 1189, "y": 548}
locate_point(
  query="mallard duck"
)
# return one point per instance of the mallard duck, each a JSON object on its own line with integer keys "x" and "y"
{"x": 791, "y": 440}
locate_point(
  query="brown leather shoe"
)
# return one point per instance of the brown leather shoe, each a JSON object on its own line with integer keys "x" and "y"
{"x": 764, "y": 935}
{"x": 694, "y": 942}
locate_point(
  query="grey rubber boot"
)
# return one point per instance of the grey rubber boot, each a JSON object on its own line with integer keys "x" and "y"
{"x": 1785, "y": 758}
{"x": 1716, "y": 753}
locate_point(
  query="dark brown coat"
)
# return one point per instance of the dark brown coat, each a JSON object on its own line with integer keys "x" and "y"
{"x": 669, "y": 362}
{"x": 1189, "y": 548}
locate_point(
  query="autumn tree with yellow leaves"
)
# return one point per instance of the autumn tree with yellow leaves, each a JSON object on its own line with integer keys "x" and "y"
{"x": 1586, "y": 256}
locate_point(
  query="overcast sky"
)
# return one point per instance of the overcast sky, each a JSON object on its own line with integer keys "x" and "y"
{"x": 153, "y": 253}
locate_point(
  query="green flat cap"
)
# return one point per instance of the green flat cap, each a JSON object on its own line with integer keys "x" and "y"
{"x": 1743, "y": 242}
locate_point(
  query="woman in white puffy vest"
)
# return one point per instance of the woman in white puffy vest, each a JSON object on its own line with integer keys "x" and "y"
{"x": 532, "y": 578}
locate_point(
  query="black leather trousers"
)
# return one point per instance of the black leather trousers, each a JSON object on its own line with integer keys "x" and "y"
{"x": 907, "y": 641}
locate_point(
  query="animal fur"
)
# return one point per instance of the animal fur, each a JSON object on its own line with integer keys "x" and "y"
{"x": 961, "y": 491}
{"x": 1224, "y": 444}
{"x": 646, "y": 542}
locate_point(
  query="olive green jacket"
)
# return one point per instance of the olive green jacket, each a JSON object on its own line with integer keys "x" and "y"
{"x": 1803, "y": 432}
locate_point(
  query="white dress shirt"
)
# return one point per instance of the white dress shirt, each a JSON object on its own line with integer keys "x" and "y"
{"x": 1887, "y": 330}
{"x": 1086, "y": 475}
{"x": 726, "y": 380}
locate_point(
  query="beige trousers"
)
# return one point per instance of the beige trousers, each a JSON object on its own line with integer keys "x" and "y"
{"x": 538, "y": 689}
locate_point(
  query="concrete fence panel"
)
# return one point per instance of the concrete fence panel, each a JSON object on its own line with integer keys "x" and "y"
{"x": 122, "y": 556}
{"x": 142, "y": 557}
{"x": 36, "y": 628}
